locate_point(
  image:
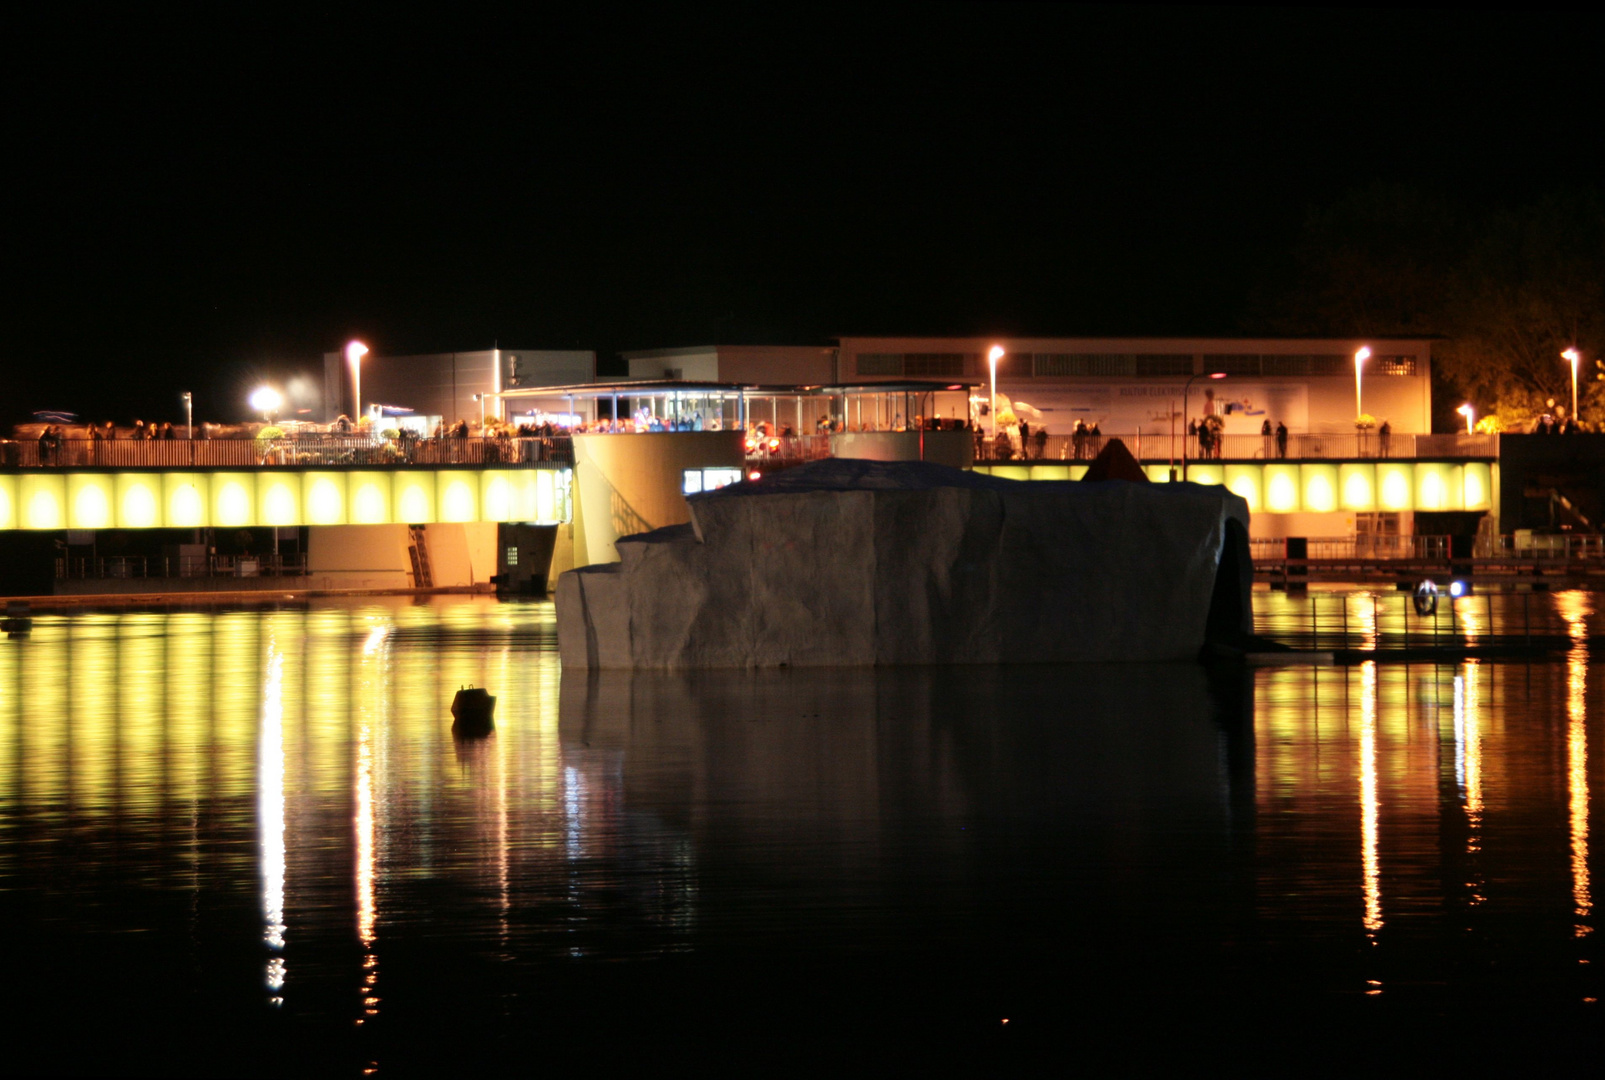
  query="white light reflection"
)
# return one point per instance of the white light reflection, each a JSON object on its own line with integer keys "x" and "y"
{"x": 1368, "y": 798}
{"x": 1575, "y": 610}
{"x": 270, "y": 815}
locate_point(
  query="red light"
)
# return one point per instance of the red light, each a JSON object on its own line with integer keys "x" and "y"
{"x": 754, "y": 475}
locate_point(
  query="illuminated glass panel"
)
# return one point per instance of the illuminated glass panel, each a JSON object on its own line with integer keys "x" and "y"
{"x": 1206, "y": 474}
{"x": 458, "y": 495}
{"x": 370, "y": 498}
{"x": 1395, "y": 482}
{"x": 233, "y": 500}
{"x": 546, "y": 496}
{"x": 1282, "y": 488}
{"x": 1357, "y": 481}
{"x": 1051, "y": 472}
{"x": 1477, "y": 486}
{"x": 1320, "y": 483}
{"x": 1012, "y": 472}
{"x": 1078, "y": 472}
{"x": 8, "y": 502}
{"x": 278, "y": 499}
{"x": 414, "y": 497}
{"x": 186, "y": 496}
{"x": 139, "y": 501}
{"x": 325, "y": 495}
{"x": 1159, "y": 474}
{"x": 89, "y": 500}
{"x": 44, "y": 502}
{"x": 495, "y": 496}
{"x": 1435, "y": 486}
{"x": 1244, "y": 481}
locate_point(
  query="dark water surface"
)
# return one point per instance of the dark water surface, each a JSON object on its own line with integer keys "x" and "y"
{"x": 246, "y": 842}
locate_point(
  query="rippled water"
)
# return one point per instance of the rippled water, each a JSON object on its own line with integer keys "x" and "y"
{"x": 245, "y": 841}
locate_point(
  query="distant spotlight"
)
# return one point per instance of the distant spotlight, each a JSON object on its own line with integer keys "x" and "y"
{"x": 1457, "y": 588}
{"x": 754, "y": 475}
{"x": 995, "y": 353}
{"x": 265, "y": 400}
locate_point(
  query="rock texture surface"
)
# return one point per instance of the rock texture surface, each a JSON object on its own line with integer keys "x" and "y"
{"x": 856, "y": 562}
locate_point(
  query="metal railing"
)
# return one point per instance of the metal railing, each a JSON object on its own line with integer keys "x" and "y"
{"x": 781, "y": 450}
{"x": 293, "y": 451}
{"x": 180, "y": 566}
{"x": 1155, "y": 446}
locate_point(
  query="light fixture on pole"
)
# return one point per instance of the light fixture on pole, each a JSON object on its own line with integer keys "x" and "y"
{"x": 1469, "y": 413}
{"x": 266, "y": 400}
{"x": 1361, "y": 355}
{"x": 993, "y": 356}
{"x": 1186, "y": 390}
{"x": 1573, "y": 355}
{"x": 189, "y": 413}
{"x": 355, "y": 351}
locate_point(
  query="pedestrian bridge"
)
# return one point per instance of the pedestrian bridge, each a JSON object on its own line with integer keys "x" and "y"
{"x": 73, "y": 497}
{"x": 1325, "y": 486}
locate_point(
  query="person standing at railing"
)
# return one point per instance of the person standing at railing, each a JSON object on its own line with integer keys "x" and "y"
{"x": 1384, "y": 435}
{"x": 1265, "y": 437}
{"x": 1281, "y": 439}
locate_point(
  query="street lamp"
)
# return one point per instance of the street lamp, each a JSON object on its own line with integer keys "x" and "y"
{"x": 266, "y": 400}
{"x": 1361, "y": 355}
{"x": 1469, "y": 413}
{"x": 1573, "y": 356}
{"x": 355, "y": 351}
{"x": 993, "y": 356}
{"x": 189, "y": 414}
{"x": 1186, "y": 390}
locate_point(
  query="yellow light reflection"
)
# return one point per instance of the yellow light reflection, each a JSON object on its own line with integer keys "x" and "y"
{"x": 1468, "y": 760}
{"x": 1368, "y": 798}
{"x": 1574, "y": 607}
{"x": 270, "y": 815}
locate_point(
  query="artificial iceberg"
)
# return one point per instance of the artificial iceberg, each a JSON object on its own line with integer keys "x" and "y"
{"x": 848, "y": 562}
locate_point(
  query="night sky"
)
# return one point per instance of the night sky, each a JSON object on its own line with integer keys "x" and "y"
{"x": 199, "y": 199}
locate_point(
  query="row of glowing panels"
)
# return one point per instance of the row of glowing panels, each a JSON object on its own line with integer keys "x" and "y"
{"x": 241, "y": 500}
{"x": 1318, "y": 487}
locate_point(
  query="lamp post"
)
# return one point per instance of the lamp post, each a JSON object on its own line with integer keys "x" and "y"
{"x": 1361, "y": 355}
{"x": 1573, "y": 356}
{"x": 481, "y": 399}
{"x": 189, "y": 414}
{"x": 1185, "y": 391}
{"x": 1468, "y": 412}
{"x": 355, "y": 351}
{"x": 993, "y": 356}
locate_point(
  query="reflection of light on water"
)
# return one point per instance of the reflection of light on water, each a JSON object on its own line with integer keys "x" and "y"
{"x": 1472, "y": 619}
{"x": 1468, "y": 759}
{"x": 365, "y": 828}
{"x": 1362, "y": 609}
{"x": 1368, "y": 796}
{"x": 270, "y": 813}
{"x": 1573, "y": 607}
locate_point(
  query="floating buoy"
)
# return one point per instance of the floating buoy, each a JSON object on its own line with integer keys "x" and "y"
{"x": 1426, "y": 599}
{"x": 473, "y": 712}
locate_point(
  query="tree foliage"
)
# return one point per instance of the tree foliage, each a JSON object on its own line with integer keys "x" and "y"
{"x": 1507, "y": 290}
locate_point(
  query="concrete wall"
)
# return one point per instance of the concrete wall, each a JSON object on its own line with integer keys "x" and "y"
{"x": 626, "y": 484}
{"x": 376, "y": 556}
{"x": 952, "y": 448}
{"x": 761, "y": 364}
